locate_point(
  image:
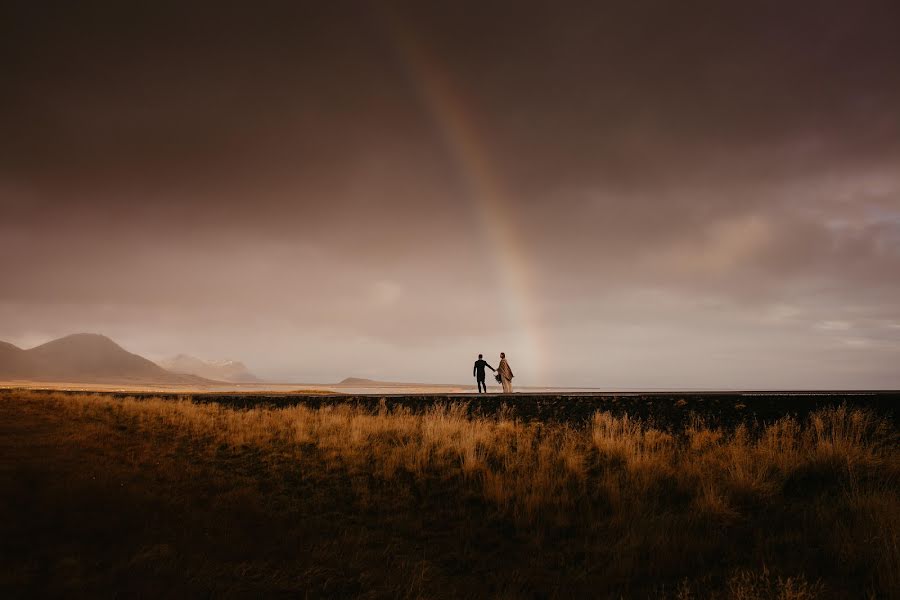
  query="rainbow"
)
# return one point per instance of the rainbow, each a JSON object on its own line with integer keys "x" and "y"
{"x": 490, "y": 202}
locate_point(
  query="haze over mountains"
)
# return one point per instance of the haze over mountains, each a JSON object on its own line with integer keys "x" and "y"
{"x": 84, "y": 357}
{"x": 96, "y": 359}
{"x": 233, "y": 371}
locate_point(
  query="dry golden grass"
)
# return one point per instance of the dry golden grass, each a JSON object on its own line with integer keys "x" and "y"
{"x": 640, "y": 502}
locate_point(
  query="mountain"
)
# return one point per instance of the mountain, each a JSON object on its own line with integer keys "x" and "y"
{"x": 373, "y": 383}
{"x": 232, "y": 371}
{"x": 84, "y": 357}
{"x": 14, "y": 362}
{"x": 359, "y": 381}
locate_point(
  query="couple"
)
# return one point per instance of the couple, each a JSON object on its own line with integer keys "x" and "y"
{"x": 504, "y": 373}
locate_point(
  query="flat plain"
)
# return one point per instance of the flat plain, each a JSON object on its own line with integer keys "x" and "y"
{"x": 682, "y": 495}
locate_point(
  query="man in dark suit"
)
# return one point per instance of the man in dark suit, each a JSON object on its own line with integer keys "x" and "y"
{"x": 478, "y": 372}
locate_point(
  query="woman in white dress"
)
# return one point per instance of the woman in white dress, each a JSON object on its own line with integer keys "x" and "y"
{"x": 505, "y": 374}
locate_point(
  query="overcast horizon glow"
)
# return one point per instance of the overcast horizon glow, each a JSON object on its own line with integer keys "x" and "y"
{"x": 635, "y": 195}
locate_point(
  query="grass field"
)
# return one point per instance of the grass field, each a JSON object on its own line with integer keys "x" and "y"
{"x": 152, "y": 496}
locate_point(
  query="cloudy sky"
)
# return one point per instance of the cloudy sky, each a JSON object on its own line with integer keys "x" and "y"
{"x": 620, "y": 194}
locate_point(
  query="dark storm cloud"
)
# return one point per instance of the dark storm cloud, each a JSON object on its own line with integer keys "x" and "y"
{"x": 271, "y": 178}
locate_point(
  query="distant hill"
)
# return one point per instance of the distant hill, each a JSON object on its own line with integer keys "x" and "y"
{"x": 232, "y": 371}
{"x": 359, "y": 381}
{"x": 373, "y": 383}
{"x": 15, "y": 362}
{"x": 84, "y": 357}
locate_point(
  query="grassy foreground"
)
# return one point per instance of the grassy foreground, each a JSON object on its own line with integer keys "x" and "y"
{"x": 161, "y": 497}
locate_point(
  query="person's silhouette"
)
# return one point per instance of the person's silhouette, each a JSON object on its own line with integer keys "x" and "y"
{"x": 506, "y": 374}
{"x": 478, "y": 372}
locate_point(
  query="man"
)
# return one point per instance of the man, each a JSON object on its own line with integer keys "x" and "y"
{"x": 478, "y": 372}
{"x": 505, "y": 373}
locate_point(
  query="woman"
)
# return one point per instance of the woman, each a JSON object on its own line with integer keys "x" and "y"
{"x": 505, "y": 374}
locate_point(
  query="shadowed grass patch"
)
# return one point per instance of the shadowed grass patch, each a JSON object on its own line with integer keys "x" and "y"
{"x": 390, "y": 502}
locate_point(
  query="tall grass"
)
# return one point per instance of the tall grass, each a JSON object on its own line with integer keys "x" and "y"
{"x": 804, "y": 499}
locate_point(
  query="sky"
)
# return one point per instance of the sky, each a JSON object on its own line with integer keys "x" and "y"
{"x": 639, "y": 194}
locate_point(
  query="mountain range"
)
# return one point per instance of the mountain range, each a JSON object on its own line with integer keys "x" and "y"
{"x": 85, "y": 357}
{"x": 94, "y": 358}
{"x": 232, "y": 371}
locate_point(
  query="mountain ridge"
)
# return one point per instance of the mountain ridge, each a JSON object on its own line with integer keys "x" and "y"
{"x": 84, "y": 357}
{"x": 233, "y": 371}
